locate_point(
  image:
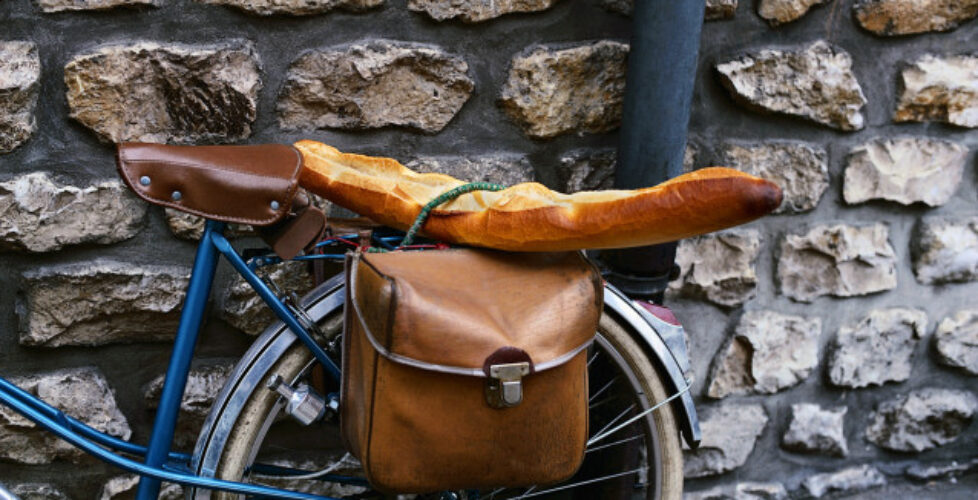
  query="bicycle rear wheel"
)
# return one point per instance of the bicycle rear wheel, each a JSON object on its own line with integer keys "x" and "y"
{"x": 641, "y": 460}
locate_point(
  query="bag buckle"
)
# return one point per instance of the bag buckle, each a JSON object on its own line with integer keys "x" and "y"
{"x": 504, "y": 386}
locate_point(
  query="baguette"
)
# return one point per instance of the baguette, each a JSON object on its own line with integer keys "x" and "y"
{"x": 531, "y": 217}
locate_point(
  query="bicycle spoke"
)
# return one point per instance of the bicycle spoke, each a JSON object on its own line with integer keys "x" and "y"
{"x": 593, "y": 357}
{"x": 603, "y": 401}
{"x": 602, "y": 434}
{"x": 615, "y": 443}
{"x": 581, "y": 483}
{"x": 613, "y": 421}
{"x": 599, "y": 391}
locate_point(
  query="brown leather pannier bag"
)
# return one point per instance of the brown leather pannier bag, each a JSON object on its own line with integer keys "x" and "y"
{"x": 467, "y": 368}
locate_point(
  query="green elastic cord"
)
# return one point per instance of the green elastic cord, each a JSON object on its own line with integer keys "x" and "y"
{"x": 445, "y": 197}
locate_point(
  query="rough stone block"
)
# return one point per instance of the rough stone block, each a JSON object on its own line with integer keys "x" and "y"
{"x": 382, "y": 83}
{"x": 551, "y": 91}
{"x": 814, "y": 82}
{"x": 594, "y": 169}
{"x": 778, "y": 12}
{"x": 37, "y": 491}
{"x": 767, "y": 353}
{"x": 720, "y": 9}
{"x": 191, "y": 227}
{"x": 741, "y": 491}
{"x": 506, "y": 170}
{"x": 877, "y": 349}
{"x": 816, "y": 430}
{"x": 101, "y": 303}
{"x": 124, "y": 488}
{"x": 931, "y": 471}
{"x": 715, "y": 9}
{"x": 474, "y": 12}
{"x": 77, "y": 5}
{"x": 20, "y": 75}
{"x": 801, "y": 170}
{"x": 183, "y": 225}
{"x": 82, "y": 393}
{"x": 623, "y": 7}
{"x": 587, "y": 170}
{"x": 42, "y": 216}
{"x": 956, "y": 340}
{"x": 839, "y": 260}
{"x": 729, "y": 434}
{"x": 244, "y": 310}
{"x": 844, "y": 482}
{"x": 718, "y": 267}
{"x": 203, "y": 385}
{"x": 165, "y": 93}
{"x": 906, "y": 170}
{"x": 946, "y": 250}
{"x": 943, "y": 89}
{"x": 922, "y": 419}
{"x": 296, "y": 7}
{"x": 907, "y": 17}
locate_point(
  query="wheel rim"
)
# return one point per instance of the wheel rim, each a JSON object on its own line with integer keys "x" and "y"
{"x": 619, "y": 463}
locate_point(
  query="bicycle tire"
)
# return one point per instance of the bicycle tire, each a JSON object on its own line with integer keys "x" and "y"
{"x": 240, "y": 420}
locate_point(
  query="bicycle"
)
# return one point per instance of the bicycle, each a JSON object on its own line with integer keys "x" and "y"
{"x": 639, "y": 396}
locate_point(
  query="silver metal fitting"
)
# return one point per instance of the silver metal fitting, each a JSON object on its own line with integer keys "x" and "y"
{"x": 504, "y": 387}
{"x": 302, "y": 403}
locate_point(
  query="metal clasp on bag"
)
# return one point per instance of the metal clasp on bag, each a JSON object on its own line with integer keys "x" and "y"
{"x": 504, "y": 387}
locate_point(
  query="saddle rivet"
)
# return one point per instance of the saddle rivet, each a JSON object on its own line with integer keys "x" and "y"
{"x": 144, "y": 180}
{"x": 275, "y": 205}
{"x": 176, "y": 195}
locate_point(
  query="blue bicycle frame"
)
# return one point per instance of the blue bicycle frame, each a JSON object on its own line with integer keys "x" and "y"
{"x": 161, "y": 464}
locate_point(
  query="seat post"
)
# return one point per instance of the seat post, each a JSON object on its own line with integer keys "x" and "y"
{"x": 658, "y": 93}
{"x": 201, "y": 279}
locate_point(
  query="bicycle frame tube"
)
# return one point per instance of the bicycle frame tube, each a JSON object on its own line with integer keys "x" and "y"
{"x": 212, "y": 243}
{"x": 9, "y": 391}
{"x": 222, "y": 245}
{"x": 160, "y": 464}
{"x": 163, "y": 465}
{"x": 172, "y": 467}
{"x": 201, "y": 279}
{"x": 157, "y": 473}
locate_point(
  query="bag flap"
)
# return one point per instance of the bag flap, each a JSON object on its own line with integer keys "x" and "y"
{"x": 451, "y": 310}
{"x": 243, "y": 184}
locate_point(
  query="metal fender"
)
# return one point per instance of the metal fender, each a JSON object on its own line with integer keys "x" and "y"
{"x": 664, "y": 341}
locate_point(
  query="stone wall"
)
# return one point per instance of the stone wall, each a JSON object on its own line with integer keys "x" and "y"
{"x": 833, "y": 343}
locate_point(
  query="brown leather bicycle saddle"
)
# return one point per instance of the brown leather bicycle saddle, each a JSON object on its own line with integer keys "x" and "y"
{"x": 244, "y": 184}
{"x": 530, "y": 217}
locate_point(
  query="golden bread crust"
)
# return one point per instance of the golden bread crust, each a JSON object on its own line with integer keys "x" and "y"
{"x": 531, "y": 217}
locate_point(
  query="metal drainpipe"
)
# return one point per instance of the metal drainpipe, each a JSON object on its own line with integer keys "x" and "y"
{"x": 658, "y": 92}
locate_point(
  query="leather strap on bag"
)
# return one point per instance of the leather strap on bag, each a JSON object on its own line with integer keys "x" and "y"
{"x": 300, "y": 230}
